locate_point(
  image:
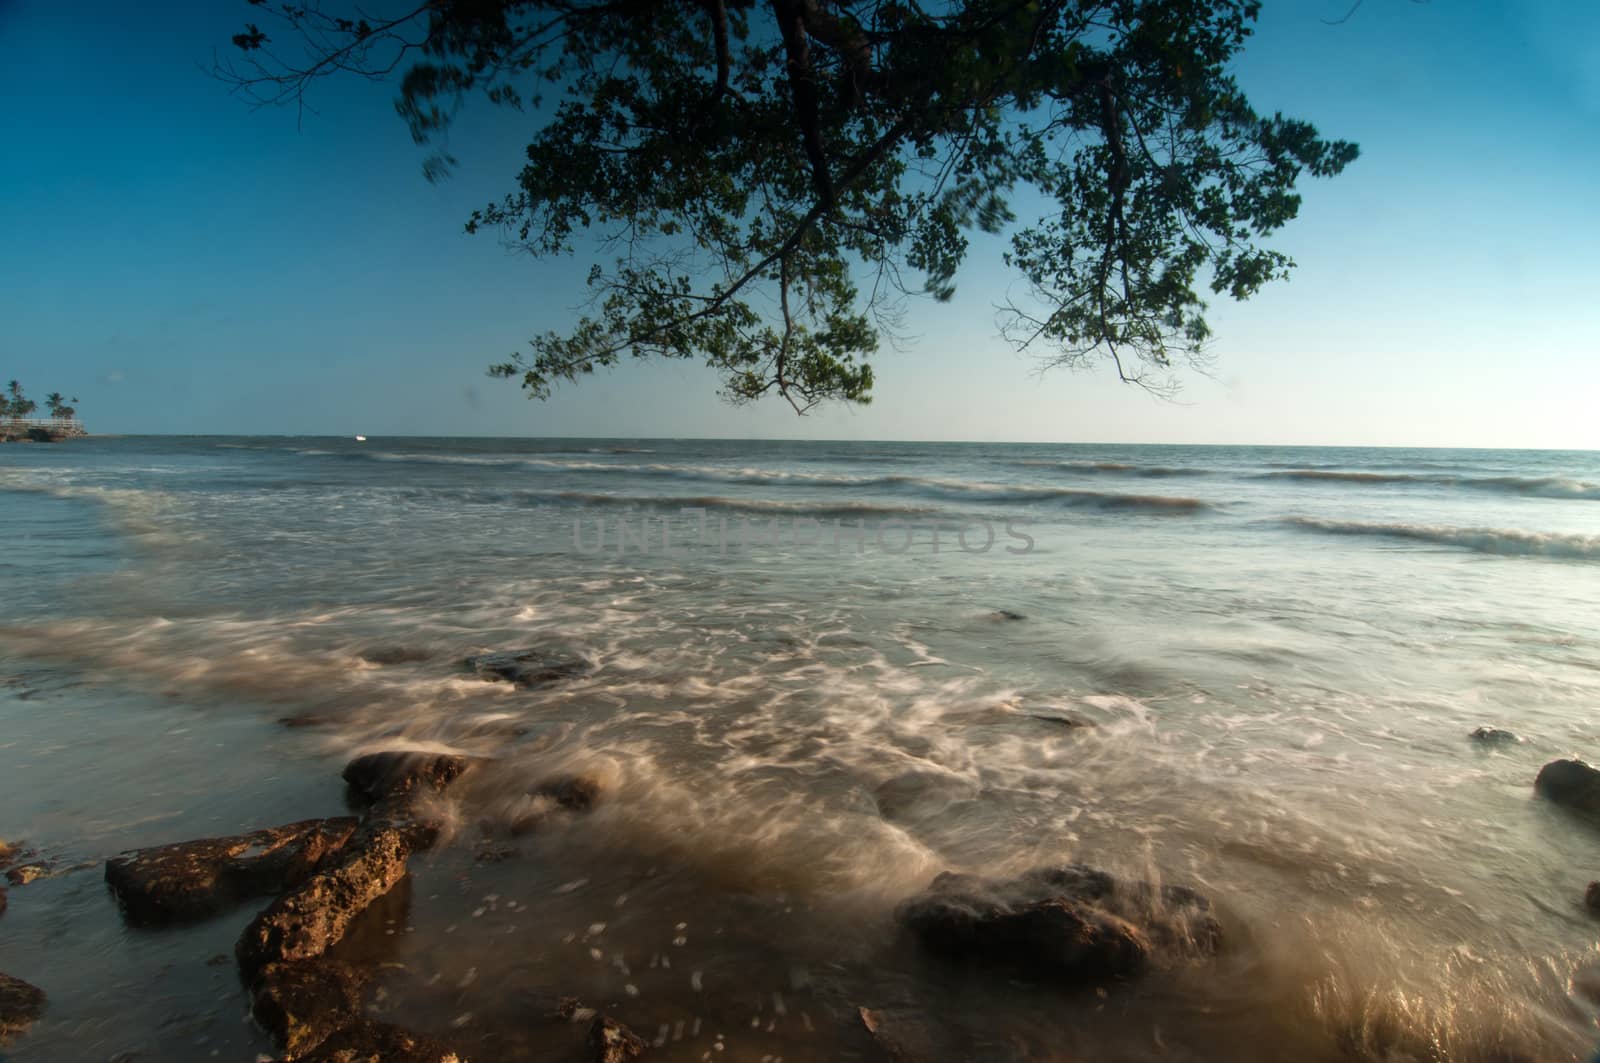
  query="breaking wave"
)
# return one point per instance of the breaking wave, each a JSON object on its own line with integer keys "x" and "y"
{"x": 1535, "y": 486}
{"x": 1508, "y": 541}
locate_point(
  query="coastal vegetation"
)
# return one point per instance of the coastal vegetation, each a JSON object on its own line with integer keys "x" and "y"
{"x": 17, "y": 421}
{"x": 776, "y": 180}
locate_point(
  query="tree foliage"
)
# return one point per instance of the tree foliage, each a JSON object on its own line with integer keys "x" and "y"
{"x": 768, "y": 182}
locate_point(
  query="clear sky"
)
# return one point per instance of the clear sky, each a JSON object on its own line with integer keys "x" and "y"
{"x": 184, "y": 264}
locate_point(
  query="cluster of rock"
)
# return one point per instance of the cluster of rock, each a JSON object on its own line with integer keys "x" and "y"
{"x": 323, "y": 874}
{"x": 21, "y": 1004}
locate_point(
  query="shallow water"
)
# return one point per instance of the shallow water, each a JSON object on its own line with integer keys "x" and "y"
{"x": 1282, "y": 651}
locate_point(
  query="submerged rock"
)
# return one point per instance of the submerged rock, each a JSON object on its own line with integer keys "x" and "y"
{"x": 611, "y": 1042}
{"x": 21, "y": 1005}
{"x": 301, "y": 1004}
{"x": 920, "y": 794}
{"x": 1570, "y": 783}
{"x": 194, "y": 879}
{"x": 1006, "y": 614}
{"x": 1494, "y": 736}
{"x": 2, "y": 900}
{"x": 309, "y": 919}
{"x": 1072, "y": 923}
{"x": 366, "y": 1041}
{"x": 572, "y": 793}
{"x": 576, "y": 793}
{"x": 528, "y": 668}
{"x": 400, "y": 774}
{"x": 1591, "y": 897}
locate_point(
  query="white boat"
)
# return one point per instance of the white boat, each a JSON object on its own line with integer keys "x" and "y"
{"x": 361, "y": 439}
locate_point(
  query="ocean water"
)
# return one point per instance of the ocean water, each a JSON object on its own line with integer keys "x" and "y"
{"x": 822, "y": 673}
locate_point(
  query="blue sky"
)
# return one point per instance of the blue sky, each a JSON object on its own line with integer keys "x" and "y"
{"x": 185, "y": 264}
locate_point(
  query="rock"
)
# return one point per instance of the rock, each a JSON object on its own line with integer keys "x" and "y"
{"x": 1570, "y": 783}
{"x": 191, "y": 880}
{"x": 2, "y": 900}
{"x": 573, "y": 793}
{"x": 309, "y": 919}
{"x": 899, "y": 1041}
{"x": 365, "y": 1041}
{"x": 301, "y": 1004}
{"x": 1072, "y": 923}
{"x": 402, "y": 774}
{"x": 528, "y": 668}
{"x": 26, "y": 873}
{"x": 8, "y": 852}
{"x": 1006, "y": 614}
{"x": 918, "y": 795}
{"x": 1591, "y": 897}
{"x": 1493, "y": 736}
{"x": 611, "y": 1042}
{"x": 576, "y": 793}
{"x": 20, "y": 1005}
{"x": 395, "y": 655}
{"x": 1072, "y": 723}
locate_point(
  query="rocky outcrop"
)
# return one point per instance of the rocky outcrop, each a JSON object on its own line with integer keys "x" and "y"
{"x": 302, "y": 1004}
{"x": 402, "y": 775}
{"x": 21, "y": 1005}
{"x": 1494, "y": 736}
{"x": 1571, "y": 784}
{"x": 1072, "y": 924}
{"x": 611, "y": 1042}
{"x": 528, "y": 668}
{"x": 365, "y": 1041}
{"x": 305, "y": 922}
{"x": 191, "y": 880}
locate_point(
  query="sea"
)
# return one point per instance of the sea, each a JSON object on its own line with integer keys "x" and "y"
{"x": 816, "y": 675}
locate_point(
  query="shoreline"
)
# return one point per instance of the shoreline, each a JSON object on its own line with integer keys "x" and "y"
{"x": 388, "y": 972}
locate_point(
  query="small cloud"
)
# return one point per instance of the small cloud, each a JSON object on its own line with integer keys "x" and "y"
{"x": 115, "y": 376}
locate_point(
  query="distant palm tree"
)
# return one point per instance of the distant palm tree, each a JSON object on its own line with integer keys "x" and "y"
{"x": 19, "y": 405}
{"x": 55, "y": 404}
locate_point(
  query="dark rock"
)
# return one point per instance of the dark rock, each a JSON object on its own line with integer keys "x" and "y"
{"x": 528, "y": 668}
{"x": 1591, "y": 897}
{"x": 611, "y": 1042}
{"x": 309, "y": 919}
{"x": 1493, "y": 736}
{"x": 301, "y": 1004}
{"x": 2, "y": 900}
{"x": 573, "y": 793}
{"x": 921, "y": 794}
{"x": 576, "y": 793}
{"x": 1072, "y": 923}
{"x": 1070, "y": 722}
{"x": 900, "y": 1042}
{"x": 194, "y": 879}
{"x": 1570, "y": 783}
{"x": 402, "y": 774}
{"x": 365, "y": 1041}
{"x": 20, "y": 1005}
{"x": 1006, "y": 614}
{"x": 395, "y": 655}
